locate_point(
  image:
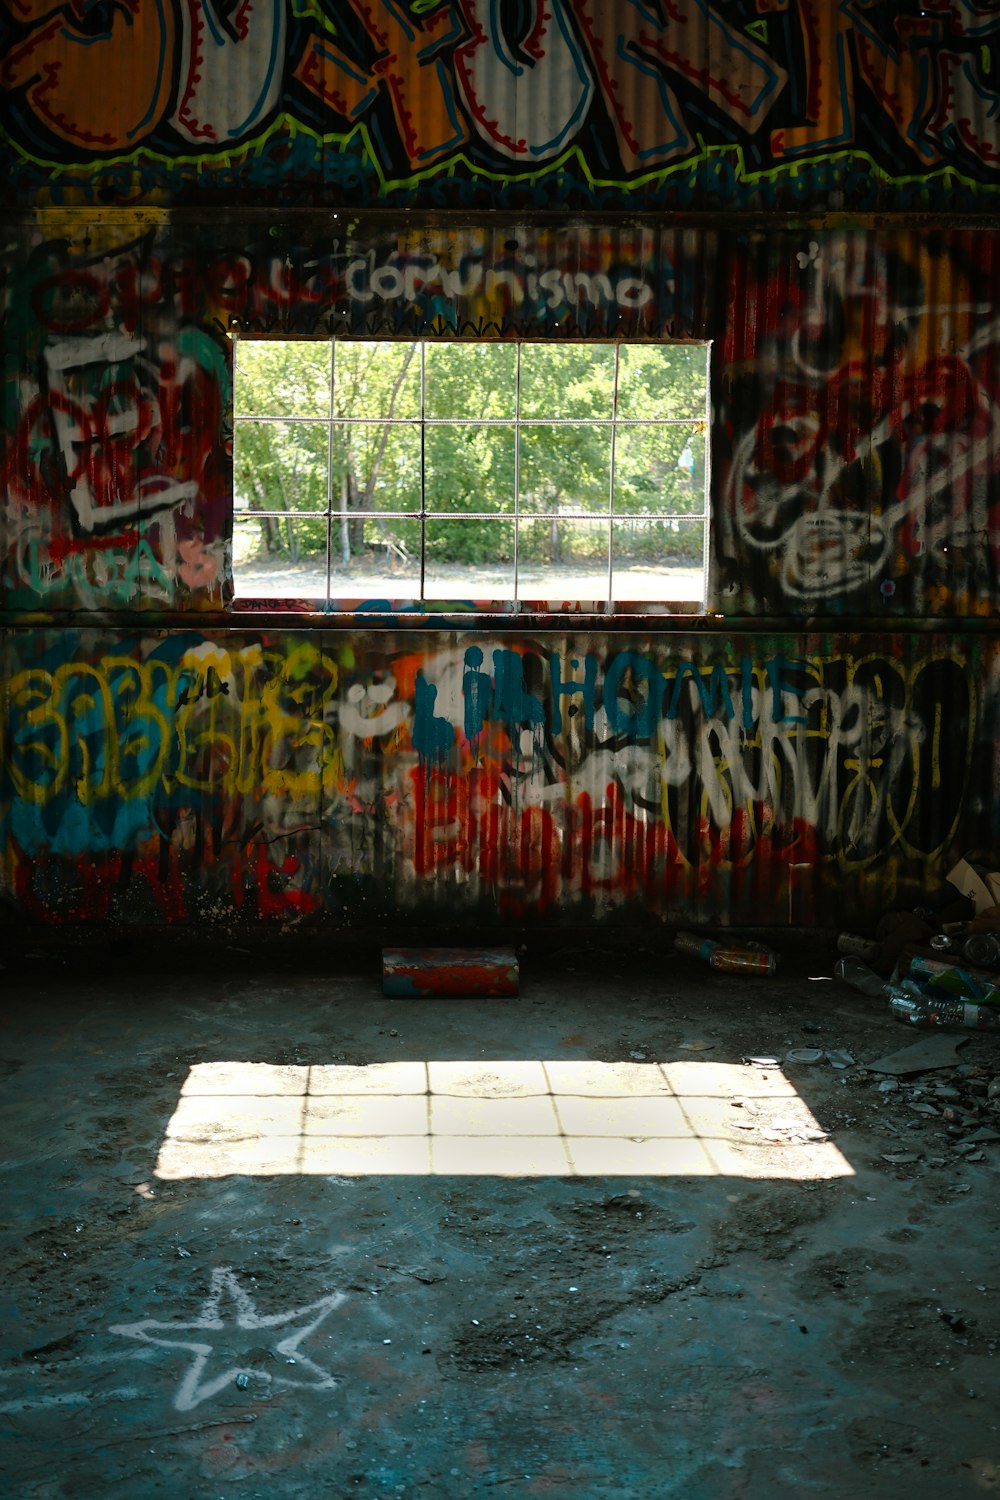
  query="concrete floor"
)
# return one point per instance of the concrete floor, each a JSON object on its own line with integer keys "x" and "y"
{"x": 269, "y": 1234}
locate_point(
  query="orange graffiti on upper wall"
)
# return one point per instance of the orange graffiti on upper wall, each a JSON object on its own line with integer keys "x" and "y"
{"x": 61, "y": 63}
{"x": 471, "y": 101}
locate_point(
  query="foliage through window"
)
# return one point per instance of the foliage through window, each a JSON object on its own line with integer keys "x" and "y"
{"x": 543, "y": 473}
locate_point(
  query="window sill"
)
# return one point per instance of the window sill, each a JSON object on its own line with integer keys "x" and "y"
{"x": 276, "y": 603}
{"x": 467, "y": 611}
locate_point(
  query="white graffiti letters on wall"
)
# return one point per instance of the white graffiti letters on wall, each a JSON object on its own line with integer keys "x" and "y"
{"x": 867, "y": 465}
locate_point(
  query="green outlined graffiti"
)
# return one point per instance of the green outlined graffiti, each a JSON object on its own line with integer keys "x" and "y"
{"x": 686, "y": 104}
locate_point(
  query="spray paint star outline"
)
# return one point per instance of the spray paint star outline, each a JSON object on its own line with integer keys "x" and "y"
{"x": 195, "y": 1387}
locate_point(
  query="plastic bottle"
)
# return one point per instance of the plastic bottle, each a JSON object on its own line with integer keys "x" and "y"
{"x": 750, "y": 958}
{"x": 689, "y": 942}
{"x": 920, "y": 1010}
{"x": 983, "y": 949}
{"x": 857, "y": 947}
{"x": 860, "y": 977}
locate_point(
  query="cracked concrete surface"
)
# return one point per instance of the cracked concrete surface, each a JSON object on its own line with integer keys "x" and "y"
{"x": 267, "y": 1233}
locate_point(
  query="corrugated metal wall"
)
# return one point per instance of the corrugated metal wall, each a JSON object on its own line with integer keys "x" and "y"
{"x": 788, "y": 106}
{"x": 854, "y": 379}
{"x": 822, "y": 742}
{"x": 350, "y": 778}
{"x": 857, "y": 424}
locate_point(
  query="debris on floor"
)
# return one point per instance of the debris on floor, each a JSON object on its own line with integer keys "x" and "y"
{"x": 960, "y": 919}
{"x": 469, "y": 973}
{"x": 729, "y": 957}
{"x": 933, "y": 983}
{"x": 262, "y": 1238}
{"x": 923, "y": 1057}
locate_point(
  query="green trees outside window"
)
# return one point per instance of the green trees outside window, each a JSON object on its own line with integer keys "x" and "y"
{"x": 443, "y": 465}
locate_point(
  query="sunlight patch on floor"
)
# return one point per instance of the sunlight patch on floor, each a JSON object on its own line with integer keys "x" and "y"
{"x": 527, "y": 1118}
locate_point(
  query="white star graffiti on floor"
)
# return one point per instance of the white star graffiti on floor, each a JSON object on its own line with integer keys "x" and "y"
{"x": 196, "y": 1386}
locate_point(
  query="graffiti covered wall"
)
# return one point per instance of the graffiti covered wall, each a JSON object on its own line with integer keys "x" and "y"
{"x": 225, "y": 778}
{"x": 117, "y": 483}
{"x": 118, "y": 397}
{"x": 188, "y": 170}
{"x": 857, "y": 426}
{"x": 774, "y": 104}
{"x": 855, "y": 439}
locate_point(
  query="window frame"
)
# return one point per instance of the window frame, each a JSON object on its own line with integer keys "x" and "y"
{"x": 541, "y": 609}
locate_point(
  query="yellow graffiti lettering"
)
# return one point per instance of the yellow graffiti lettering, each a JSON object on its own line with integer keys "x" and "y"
{"x": 39, "y": 748}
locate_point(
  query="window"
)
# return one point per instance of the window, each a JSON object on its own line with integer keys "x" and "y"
{"x": 515, "y": 475}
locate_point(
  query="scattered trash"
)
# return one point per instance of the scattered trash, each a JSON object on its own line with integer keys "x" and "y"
{"x": 242, "y": 1381}
{"x": 932, "y": 991}
{"x": 857, "y": 947}
{"x": 916, "y": 1010}
{"x": 896, "y": 931}
{"x": 184, "y": 1254}
{"x": 696, "y": 1046}
{"x": 835, "y": 1056}
{"x": 925, "y": 1056}
{"x": 937, "y": 976}
{"x": 955, "y": 1109}
{"x": 983, "y": 949}
{"x": 856, "y": 973}
{"x": 982, "y": 889}
{"x": 788, "y": 1130}
{"x": 763, "y": 1062}
{"x": 746, "y": 958}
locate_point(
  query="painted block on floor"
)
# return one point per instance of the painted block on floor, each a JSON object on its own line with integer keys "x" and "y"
{"x": 471, "y": 972}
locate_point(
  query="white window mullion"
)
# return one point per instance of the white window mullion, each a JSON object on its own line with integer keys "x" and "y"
{"x": 331, "y": 408}
{"x": 707, "y": 524}
{"x": 423, "y": 462}
{"x": 517, "y": 476}
{"x": 611, "y": 494}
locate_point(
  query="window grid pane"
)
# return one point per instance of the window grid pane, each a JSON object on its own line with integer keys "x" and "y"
{"x": 619, "y": 485}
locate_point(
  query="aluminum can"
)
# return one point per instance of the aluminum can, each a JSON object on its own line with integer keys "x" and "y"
{"x": 743, "y": 960}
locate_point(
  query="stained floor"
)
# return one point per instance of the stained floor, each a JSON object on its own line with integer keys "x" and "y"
{"x": 267, "y": 1233}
